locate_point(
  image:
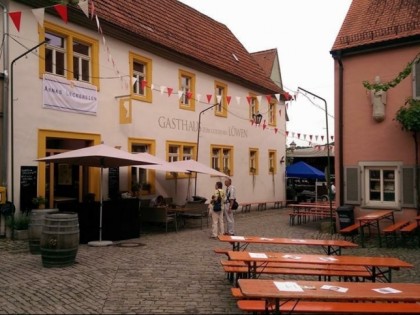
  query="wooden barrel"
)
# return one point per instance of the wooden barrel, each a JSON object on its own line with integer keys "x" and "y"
{"x": 36, "y": 222}
{"x": 59, "y": 239}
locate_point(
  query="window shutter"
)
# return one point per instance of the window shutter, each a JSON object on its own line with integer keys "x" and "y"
{"x": 408, "y": 187}
{"x": 416, "y": 80}
{"x": 351, "y": 185}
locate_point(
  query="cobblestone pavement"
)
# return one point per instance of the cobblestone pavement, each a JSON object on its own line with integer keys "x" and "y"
{"x": 158, "y": 273}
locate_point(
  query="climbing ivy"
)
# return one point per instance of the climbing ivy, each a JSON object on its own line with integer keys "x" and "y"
{"x": 393, "y": 83}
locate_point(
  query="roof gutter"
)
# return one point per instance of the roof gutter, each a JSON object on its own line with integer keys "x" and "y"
{"x": 340, "y": 127}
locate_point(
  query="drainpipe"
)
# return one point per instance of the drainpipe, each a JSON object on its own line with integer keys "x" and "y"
{"x": 340, "y": 128}
{"x": 5, "y": 100}
{"x": 11, "y": 116}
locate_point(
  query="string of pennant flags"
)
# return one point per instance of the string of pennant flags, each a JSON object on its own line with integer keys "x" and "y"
{"x": 88, "y": 8}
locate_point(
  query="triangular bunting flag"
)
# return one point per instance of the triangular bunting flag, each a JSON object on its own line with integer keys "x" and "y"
{"x": 152, "y": 86}
{"x": 143, "y": 84}
{"x": 189, "y": 94}
{"x": 228, "y": 98}
{"x": 162, "y": 89}
{"x": 277, "y": 97}
{"x": 84, "y": 6}
{"x": 249, "y": 98}
{"x": 276, "y": 130}
{"x": 208, "y": 98}
{"x": 180, "y": 93}
{"x": 62, "y": 11}
{"x": 16, "y": 16}
{"x": 39, "y": 15}
{"x": 170, "y": 91}
{"x": 268, "y": 98}
{"x": 238, "y": 100}
{"x": 259, "y": 97}
{"x": 199, "y": 98}
{"x": 219, "y": 99}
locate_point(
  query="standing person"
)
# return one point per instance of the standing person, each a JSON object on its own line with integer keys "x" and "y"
{"x": 333, "y": 191}
{"x": 216, "y": 209}
{"x": 230, "y": 198}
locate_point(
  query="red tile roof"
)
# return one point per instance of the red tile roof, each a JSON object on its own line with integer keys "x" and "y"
{"x": 183, "y": 30}
{"x": 375, "y": 21}
{"x": 266, "y": 60}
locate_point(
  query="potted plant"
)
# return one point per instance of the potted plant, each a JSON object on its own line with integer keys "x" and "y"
{"x": 135, "y": 187}
{"x": 39, "y": 202}
{"x": 18, "y": 226}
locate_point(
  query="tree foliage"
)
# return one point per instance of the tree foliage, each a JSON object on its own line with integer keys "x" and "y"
{"x": 409, "y": 115}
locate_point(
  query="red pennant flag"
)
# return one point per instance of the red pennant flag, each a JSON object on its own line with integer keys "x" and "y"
{"x": 143, "y": 84}
{"x": 209, "y": 98}
{"x": 189, "y": 95}
{"x": 280, "y": 112}
{"x": 310, "y": 137}
{"x": 264, "y": 125}
{"x": 15, "y": 16}
{"x": 249, "y": 98}
{"x": 298, "y": 135}
{"x": 322, "y": 138}
{"x": 276, "y": 130}
{"x": 228, "y": 98}
{"x": 170, "y": 91}
{"x": 62, "y": 11}
{"x": 332, "y": 138}
{"x": 268, "y": 98}
{"x": 287, "y": 133}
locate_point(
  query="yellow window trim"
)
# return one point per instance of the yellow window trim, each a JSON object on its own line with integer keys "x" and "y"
{"x": 70, "y": 36}
{"x": 181, "y": 144}
{"x": 224, "y": 86}
{"x": 151, "y": 173}
{"x": 148, "y": 64}
{"x": 274, "y": 123}
{"x": 274, "y": 153}
{"x": 43, "y": 134}
{"x": 191, "y": 75}
{"x": 256, "y": 151}
{"x": 257, "y": 105}
{"x": 221, "y": 148}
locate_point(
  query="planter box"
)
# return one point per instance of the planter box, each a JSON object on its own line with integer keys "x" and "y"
{"x": 21, "y": 235}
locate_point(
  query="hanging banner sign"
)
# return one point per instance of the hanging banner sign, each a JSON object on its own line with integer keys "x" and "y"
{"x": 70, "y": 96}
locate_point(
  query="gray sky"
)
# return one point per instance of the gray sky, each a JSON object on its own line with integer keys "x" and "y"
{"x": 303, "y": 31}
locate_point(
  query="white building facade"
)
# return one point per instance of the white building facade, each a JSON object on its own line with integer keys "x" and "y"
{"x": 88, "y": 84}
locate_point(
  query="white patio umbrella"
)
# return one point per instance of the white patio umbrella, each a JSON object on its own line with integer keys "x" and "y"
{"x": 197, "y": 167}
{"x": 102, "y": 156}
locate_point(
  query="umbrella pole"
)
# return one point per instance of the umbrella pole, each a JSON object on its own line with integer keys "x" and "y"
{"x": 100, "y": 206}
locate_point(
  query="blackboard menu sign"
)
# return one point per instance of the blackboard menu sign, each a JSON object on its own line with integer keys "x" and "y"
{"x": 28, "y": 186}
{"x": 113, "y": 182}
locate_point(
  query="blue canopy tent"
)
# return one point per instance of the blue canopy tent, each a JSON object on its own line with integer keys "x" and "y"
{"x": 304, "y": 170}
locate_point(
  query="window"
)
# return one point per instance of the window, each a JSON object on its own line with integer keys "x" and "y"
{"x": 187, "y": 86}
{"x": 253, "y": 107}
{"x": 69, "y": 54}
{"x": 272, "y": 109}
{"x": 222, "y": 159}
{"x": 380, "y": 185}
{"x": 416, "y": 80}
{"x": 178, "y": 151}
{"x": 272, "y": 158}
{"x": 140, "y": 70}
{"x": 253, "y": 161}
{"x": 140, "y": 175}
{"x": 221, "y": 98}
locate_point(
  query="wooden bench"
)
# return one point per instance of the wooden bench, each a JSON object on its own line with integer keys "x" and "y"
{"x": 390, "y": 232}
{"x": 222, "y": 251}
{"x": 322, "y": 307}
{"x": 238, "y": 269}
{"x": 351, "y": 230}
{"x": 408, "y": 232}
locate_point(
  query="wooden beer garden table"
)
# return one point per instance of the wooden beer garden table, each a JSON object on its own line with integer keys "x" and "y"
{"x": 330, "y": 247}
